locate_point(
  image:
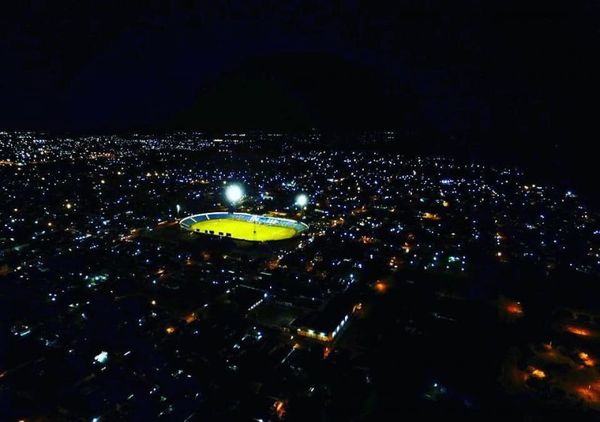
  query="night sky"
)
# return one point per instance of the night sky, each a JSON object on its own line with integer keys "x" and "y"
{"x": 508, "y": 78}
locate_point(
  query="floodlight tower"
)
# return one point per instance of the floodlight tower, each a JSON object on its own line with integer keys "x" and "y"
{"x": 233, "y": 194}
{"x": 301, "y": 200}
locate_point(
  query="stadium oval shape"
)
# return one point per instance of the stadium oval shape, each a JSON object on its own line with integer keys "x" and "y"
{"x": 243, "y": 226}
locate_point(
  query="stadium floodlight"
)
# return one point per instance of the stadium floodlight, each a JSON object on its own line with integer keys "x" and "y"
{"x": 234, "y": 194}
{"x": 301, "y": 200}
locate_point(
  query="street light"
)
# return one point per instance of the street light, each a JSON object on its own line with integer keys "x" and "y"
{"x": 301, "y": 200}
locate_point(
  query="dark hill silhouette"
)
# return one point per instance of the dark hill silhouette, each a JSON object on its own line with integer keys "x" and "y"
{"x": 299, "y": 91}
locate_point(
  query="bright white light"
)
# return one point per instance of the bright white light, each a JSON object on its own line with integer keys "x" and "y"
{"x": 233, "y": 193}
{"x": 101, "y": 357}
{"x": 301, "y": 200}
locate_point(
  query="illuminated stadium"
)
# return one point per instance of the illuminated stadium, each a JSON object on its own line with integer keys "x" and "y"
{"x": 242, "y": 226}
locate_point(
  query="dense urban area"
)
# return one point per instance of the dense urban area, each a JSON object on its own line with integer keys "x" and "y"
{"x": 424, "y": 285}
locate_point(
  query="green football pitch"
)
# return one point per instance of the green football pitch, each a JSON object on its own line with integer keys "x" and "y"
{"x": 244, "y": 230}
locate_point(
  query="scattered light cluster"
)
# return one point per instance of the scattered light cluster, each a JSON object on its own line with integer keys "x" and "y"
{"x": 90, "y": 233}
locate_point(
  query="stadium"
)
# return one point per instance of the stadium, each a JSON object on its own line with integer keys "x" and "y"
{"x": 242, "y": 226}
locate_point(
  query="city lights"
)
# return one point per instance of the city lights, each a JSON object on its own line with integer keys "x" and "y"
{"x": 299, "y": 211}
{"x": 159, "y": 259}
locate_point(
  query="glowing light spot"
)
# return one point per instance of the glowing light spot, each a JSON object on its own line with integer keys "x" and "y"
{"x": 381, "y": 286}
{"x": 514, "y": 308}
{"x": 587, "y": 360}
{"x": 234, "y": 193}
{"x": 430, "y": 216}
{"x": 537, "y": 373}
{"x": 190, "y": 318}
{"x": 279, "y": 408}
{"x": 101, "y": 357}
{"x": 301, "y": 200}
{"x": 580, "y": 331}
